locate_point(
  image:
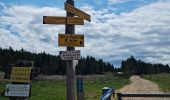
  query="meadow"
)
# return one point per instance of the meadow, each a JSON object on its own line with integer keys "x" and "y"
{"x": 56, "y": 90}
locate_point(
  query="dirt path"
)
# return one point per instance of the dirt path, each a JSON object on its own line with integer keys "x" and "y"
{"x": 140, "y": 85}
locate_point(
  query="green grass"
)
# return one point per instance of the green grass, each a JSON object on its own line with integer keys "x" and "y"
{"x": 48, "y": 90}
{"x": 93, "y": 89}
{"x": 2, "y": 86}
{"x": 56, "y": 90}
{"x": 163, "y": 80}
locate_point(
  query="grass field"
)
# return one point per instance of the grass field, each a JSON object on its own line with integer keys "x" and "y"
{"x": 56, "y": 90}
{"x": 163, "y": 80}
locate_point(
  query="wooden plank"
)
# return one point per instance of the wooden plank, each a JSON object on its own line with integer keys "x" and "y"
{"x": 63, "y": 20}
{"x": 77, "y": 12}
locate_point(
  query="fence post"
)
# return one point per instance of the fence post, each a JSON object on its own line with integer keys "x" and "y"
{"x": 119, "y": 96}
{"x": 80, "y": 88}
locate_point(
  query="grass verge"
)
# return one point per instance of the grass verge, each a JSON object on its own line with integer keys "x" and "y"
{"x": 56, "y": 90}
{"x": 163, "y": 80}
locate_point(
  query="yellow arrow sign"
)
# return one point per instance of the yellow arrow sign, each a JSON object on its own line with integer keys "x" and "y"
{"x": 71, "y": 40}
{"x": 77, "y": 12}
{"x": 62, "y": 20}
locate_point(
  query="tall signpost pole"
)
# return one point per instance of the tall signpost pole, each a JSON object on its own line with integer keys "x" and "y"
{"x": 70, "y": 29}
{"x": 71, "y": 40}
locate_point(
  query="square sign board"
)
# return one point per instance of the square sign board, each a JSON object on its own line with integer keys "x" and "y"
{"x": 20, "y": 74}
{"x": 17, "y": 90}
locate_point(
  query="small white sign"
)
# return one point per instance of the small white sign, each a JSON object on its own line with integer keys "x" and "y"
{"x": 17, "y": 90}
{"x": 70, "y": 55}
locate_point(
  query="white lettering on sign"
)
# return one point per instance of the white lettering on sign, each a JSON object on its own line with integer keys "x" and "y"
{"x": 70, "y": 55}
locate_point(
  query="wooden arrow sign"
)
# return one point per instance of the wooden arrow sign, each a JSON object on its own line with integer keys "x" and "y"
{"x": 62, "y": 20}
{"x": 71, "y": 40}
{"x": 77, "y": 12}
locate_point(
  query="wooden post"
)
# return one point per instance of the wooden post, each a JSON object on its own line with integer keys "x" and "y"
{"x": 119, "y": 97}
{"x": 70, "y": 29}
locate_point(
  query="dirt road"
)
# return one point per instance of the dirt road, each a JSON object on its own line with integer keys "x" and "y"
{"x": 140, "y": 85}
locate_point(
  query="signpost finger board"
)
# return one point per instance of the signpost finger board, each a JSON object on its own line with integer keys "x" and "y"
{"x": 77, "y": 12}
{"x": 71, "y": 40}
{"x": 63, "y": 20}
{"x": 70, "y": 55}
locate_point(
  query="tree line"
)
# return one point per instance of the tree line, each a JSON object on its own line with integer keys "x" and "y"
{"x": 132, "y": 66}
{"x": 51, "y": 64}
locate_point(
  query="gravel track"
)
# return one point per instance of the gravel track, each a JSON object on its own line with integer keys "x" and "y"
{"x": 139, "y": 85}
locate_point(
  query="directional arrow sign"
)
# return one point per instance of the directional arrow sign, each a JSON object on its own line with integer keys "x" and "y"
{"x": 71, "y": 40}
{"x": 75, "y": 21}
{"x": 54, "y": 20}
{"x": 70, "y": 55}
{"x": 77, "y": 12}
{"x": 62, "y": 20}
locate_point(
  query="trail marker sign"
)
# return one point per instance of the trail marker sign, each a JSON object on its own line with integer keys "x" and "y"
{"x": 20, "y": 74}
{"x": 77, "y": 12}
{"x": 63, "y": 20}
{"x": 17, "y": 90}
{"x": 70, "y": 55}
{"x": 71, "y": 40}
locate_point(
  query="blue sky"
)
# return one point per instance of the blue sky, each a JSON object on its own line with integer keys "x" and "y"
{"x": 120, "y": 5}
{"x": 118, "y": 28}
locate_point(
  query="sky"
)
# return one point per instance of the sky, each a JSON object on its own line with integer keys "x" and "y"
{"x": 118, "y": 28}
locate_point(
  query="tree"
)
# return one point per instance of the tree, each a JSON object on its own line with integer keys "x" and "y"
{"x": 133, "y": 66}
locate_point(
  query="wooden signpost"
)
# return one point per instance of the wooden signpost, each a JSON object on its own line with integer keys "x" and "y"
{"x": 70, "y": 40}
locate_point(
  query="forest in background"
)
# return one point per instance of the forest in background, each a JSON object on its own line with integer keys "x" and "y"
{"x": 137, "y": 67}
{"x": 53, "y": 65}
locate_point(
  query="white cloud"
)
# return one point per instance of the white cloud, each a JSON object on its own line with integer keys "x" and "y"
{"x": 140, "y": 28}
{"x": 27, "y": 31}
{"x": 143, "y": 32}
{"x": 117, "y": 1}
